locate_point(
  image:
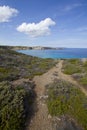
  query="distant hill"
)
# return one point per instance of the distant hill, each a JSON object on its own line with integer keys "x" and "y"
{"x": 31, "y": 48}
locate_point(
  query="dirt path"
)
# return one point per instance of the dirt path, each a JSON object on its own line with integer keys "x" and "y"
{"x": 41, "y": 119}
{"x": 69, "y": 78}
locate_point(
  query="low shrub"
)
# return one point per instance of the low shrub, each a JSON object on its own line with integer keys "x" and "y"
{"x": 14, "y": 105}
{"x": 71, "y": 69}
{"x": 76, "y": 68}
{"x": 66, "y": 99}
{"x": 83, "y": 81}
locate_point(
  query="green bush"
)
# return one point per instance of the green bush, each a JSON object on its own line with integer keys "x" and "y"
{"x": 14, "y": 106}
{"x": 83, "y": 81}
{"x": 77, "y": 67}
{"x": 85, "y": 66}
{"x": 71, "y": 69}
{"x": 74, "y": 61}
{"x": 66, "y": 99}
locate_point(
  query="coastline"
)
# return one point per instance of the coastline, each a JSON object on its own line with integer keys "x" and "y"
{"x": 32, "y": 48}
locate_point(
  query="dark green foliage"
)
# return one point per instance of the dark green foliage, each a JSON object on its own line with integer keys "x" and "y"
{"x": 66, "y": 99}
{"x": 14, "y": 65}
{"x": 14, "y": 105}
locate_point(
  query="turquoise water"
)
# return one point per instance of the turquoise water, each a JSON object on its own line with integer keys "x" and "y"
{"x": 64, "y": 53}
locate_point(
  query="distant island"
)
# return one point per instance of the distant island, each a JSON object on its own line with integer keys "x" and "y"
{"x": 32, "y": 48}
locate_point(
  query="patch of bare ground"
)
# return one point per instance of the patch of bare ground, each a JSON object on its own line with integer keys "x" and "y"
{"x": 20, "y": 81}
{"x": 42, "y": 120}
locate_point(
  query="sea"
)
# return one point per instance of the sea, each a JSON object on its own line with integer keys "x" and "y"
{"x": 66, "y": 53}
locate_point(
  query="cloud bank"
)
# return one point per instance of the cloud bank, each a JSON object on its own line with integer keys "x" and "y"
{"x": 6, "y": 13}
{"x": 37, "y": 29}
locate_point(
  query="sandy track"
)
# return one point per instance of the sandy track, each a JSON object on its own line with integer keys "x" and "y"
{"x": 41, "y": 119}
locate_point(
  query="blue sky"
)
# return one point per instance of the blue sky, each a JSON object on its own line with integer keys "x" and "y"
{"x": 56, "y": 23}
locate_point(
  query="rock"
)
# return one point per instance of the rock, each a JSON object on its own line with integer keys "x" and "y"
{"x": 43, "y": 97}
{"x": 49, "y": 116}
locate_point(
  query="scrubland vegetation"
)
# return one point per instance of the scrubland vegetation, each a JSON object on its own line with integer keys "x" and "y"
{"x": 16, "y": 101}
{"x": 14, "y": 65}
{"x": 76, "y": 68}
{"x": 66, "y": 99}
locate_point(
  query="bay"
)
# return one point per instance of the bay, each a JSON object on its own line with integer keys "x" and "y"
{"x": 65, "y": 53}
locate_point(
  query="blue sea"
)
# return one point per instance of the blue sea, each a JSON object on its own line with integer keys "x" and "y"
{"x": 57, "y": 54}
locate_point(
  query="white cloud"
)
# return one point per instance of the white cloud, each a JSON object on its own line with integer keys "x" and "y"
{"x": 71, "y": 7}
{"x": 6, "y": 13}
{"x": 37, "y": 29}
